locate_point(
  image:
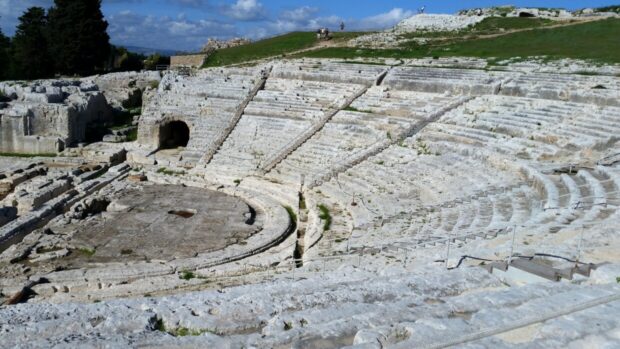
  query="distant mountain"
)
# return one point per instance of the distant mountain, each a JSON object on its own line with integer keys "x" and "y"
{"x": 149, "y": 51}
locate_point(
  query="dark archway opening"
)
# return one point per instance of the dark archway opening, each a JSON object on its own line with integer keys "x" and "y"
{"x": 173, "y": 135}
{"x": 526, "y": 15}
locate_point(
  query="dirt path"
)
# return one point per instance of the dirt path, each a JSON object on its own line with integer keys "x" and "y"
{"x": 512, "y": 31}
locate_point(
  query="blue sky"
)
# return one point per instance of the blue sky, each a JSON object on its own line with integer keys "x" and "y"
{"x": 187, "y": 24}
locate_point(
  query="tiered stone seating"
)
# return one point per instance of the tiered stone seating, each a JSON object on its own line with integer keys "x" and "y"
{"x": 373, "y": 121}
{"x": 598, "y": 90}
{"x": 529, "y": 128}
{"x": 207, "y": 102}
{"x": 488, "y": 202}
{"x": 441, "y": 80}
{"x": 406, "y": 176}
{"x": 278, "y": 116}
{"x": 324, "y": 70}
{"x": 388, "y": 310}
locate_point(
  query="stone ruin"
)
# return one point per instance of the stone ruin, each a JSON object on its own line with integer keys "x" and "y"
{"x": 215, "y": 44}
{"x": 48, "y": 116}
{"x": 316, "y": 203}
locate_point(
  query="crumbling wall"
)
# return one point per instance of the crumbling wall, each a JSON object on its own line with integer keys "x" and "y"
{"x": 196, "y": 60}
{"x": 47, "y": 116}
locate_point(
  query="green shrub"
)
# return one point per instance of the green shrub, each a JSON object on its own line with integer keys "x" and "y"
{"x": 187, "y": 275}
{"x": 326, "y": 217}
{"x": 292, "y": 215}
{"x": 87, "y": 251}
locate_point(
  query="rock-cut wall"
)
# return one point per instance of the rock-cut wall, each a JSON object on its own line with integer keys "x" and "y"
{"x": 48, "y": 116}
{"x": 196, "y": 60}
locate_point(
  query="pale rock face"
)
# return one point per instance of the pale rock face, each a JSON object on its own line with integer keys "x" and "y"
{"x": 47, "y": 116}
{"x": 436, "y": 22}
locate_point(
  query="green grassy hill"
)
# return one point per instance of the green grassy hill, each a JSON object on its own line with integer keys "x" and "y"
{"x": 272, "y": 47}
{"x": 275, "y": 46}
{"x": 597, "y": 41}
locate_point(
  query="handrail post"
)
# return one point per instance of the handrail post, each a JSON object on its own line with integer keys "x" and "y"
{"x": 359, "y": 257}
{"x": 448, "y": 248}
{"x": 512, "y": 244}
{"x": 579, "y": 247}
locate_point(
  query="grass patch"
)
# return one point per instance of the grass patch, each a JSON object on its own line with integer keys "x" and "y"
{"x": 325, "y": 216}
{"x": 154, "y": 84}
{"x": 185, "y": 332}
{"x": 492, "y": 25}
{"x": 132, "y": 135}
{"x": 292, "y": 215}
{"x": 88, "y": 252}
{"x": 302, "y": 202}
{"x": 25, "y": 155}
{"x": 352, "y": 52}
{"x": 595, "y": 40}
{"x": 168, "y": 172}
{"x": 276, "y": 46}
{"x": 488, "y": 26}
{"x": 187, "y": 275}
{"x": 353, "y": 109}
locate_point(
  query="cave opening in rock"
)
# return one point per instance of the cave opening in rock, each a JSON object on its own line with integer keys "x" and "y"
{"x": 173, "y": 135}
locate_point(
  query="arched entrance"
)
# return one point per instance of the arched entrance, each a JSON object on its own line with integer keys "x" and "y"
{"x": 526, "y": 15}
{"x": 173, "y": 134}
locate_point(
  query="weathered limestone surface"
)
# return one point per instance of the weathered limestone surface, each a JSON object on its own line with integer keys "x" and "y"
{"x": 196, "y": 60}
{"x": 435, "y": 22}
{"x": 48, "y": 116}
{"x": 361, "y": 309}
{"x": 206, "y": 103}
{"x": 326, "y": 204}
{"x": 124, "y": 90}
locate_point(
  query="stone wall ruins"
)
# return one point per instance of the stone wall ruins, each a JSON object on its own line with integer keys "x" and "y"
{"x": 196, "y": 60}
{"x": 48, "y": 116}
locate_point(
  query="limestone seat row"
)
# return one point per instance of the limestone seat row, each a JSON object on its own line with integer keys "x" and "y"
{"x": 281, "y": 113}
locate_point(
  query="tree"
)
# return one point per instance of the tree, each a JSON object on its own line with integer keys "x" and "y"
{"x": 5, "y": 62}
{"x": 79, "y": 41}
{"x": 31, "y": 57}
{"x": 127, "y": 61}
{"x": 154, "y": 60}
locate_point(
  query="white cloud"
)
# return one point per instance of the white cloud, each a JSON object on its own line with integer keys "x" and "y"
{"x": 11, "y": 10}
{"x": 299, "y": 14}
{"x": 183, "y": 31}
{"x": 303, "y": 18}
{"x": 384, "y": 20}
{"x": 246, "y": 10}
{"x": 130, "y": 29}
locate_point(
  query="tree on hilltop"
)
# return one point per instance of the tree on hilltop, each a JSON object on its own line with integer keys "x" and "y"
{"x": 31, "y": 57}
{"x": 78, "y": 37}
{"x": 5, "y": 62}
